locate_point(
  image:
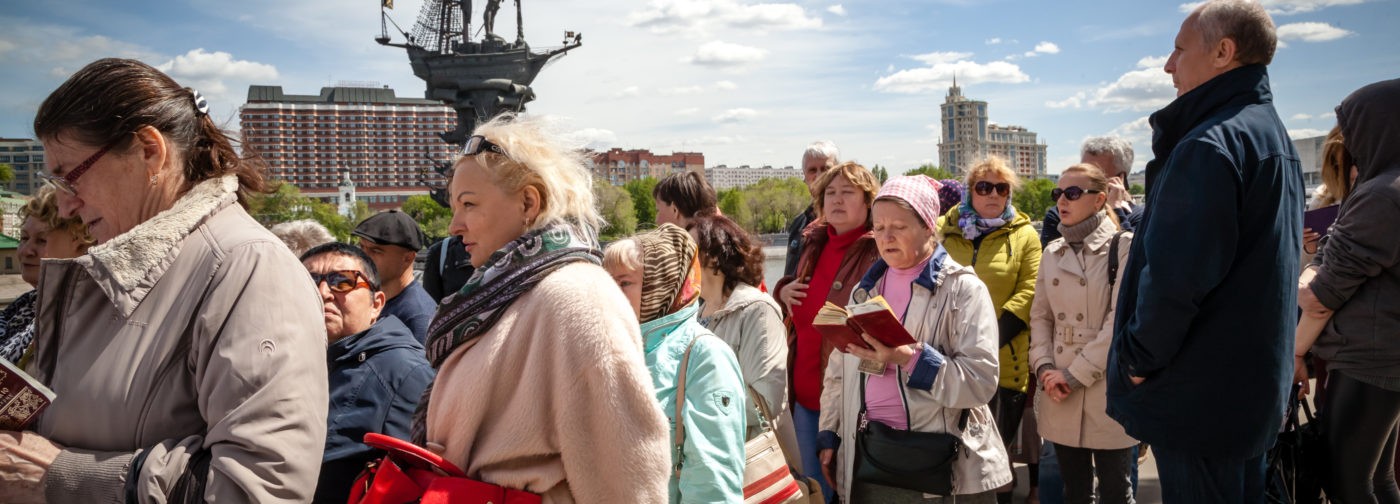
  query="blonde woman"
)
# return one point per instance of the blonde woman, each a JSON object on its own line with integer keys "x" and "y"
{"x": 541, "y": 385}
{"x": 1071, "y": 329}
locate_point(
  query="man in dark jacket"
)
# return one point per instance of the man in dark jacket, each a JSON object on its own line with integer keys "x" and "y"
{"x": 378, "y": 370}
{"x": 1358, "y": 276}
{"x": 393, "y": 239}
{"x": 1201, "y": 355}
{"x": 819, "y": 157}
{"x": 447, "y": 269}
{"x": 1113, "y": 155}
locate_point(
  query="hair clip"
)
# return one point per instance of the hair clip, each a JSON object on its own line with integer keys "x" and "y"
{"x": 200, "y": 104}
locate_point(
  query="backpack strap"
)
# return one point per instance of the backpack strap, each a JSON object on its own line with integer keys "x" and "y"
{"x": 1113, "y": 260}
{"x": 679, "y": 437}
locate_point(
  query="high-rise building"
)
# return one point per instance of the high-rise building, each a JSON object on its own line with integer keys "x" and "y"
{"x": 723, "y": 177}
{"x": 969, "y": 135}
{"x": 26, "y": 159}
{"x": 382, "y": 141}
{"x": 619, "y": 166}
{"x": 1310, "y": 156}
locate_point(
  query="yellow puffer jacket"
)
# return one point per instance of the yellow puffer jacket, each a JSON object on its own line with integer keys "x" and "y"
{"x": 1007, "y": 260}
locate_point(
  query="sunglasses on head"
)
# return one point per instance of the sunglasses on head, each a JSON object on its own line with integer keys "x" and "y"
{"x": 341, "y": 282}
{"x": 478, "y": 144}
{"x": 985, "y": 188}
{"x": 1071, "y": 193}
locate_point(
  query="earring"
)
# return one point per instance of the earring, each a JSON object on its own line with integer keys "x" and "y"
{"x": 153, "y": 180}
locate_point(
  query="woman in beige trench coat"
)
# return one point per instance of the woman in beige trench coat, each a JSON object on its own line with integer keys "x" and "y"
{"x": 1071, "y": 329}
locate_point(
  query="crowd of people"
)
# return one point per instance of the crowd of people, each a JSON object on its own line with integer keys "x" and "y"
{"x": 199, "y": 356}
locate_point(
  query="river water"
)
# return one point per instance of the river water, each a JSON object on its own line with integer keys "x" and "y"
{"x": 773, "y": 262}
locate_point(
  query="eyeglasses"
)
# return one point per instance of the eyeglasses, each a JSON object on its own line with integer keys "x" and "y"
{"x": 67, "y": 181}
{"x": 1072, "y": 193}
{"x": 477, "y": 144}
{"x": 985, "y": 188}
{"x": 341, "y": 282}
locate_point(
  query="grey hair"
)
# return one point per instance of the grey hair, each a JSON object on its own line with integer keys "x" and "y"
{"x": 825, "y": 149}
{"x": 1118, "y": 147}
{"x": 1243, "y": 21}
{"x": 302, "y": 235}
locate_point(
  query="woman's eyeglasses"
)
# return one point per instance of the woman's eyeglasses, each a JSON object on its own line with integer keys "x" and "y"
{"x": 341, "y": 282}
{"x": 478, "y": 144}
{"x": 67, "y": 181}
{"x": 985, "y": 188}
{"x": 1072, "y": 193}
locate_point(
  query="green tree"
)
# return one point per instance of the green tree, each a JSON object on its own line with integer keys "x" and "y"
{"x": 641, "y": 199}
{"x": 881, "y": 173}
{"x": 7, "y": 173}
{"x": 432, "y": 217}
{"x": 1136, "y": 189}
{"x": 284, "y": 203}
{"x": 1033, "y": 198}
{"x": 733, "y": 205}
{"x": 773, "y": 201}
{"x": 933, "y": 172}
{"x": 616, "y": 207}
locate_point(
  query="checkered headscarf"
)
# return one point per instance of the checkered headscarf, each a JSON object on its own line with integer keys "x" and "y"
{"x": 919, "y": 191}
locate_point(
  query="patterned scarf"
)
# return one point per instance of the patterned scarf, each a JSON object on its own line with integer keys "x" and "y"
{"x": 507, "y": 274}
{"x": 973, "y": 225}
{"x": 670, "y": 271}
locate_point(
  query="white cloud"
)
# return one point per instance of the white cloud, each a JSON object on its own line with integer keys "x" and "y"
{"x": 688, "y": 111}
{"x": 1301, "y": 117}
{"x": 1305, "y": 133}
{"x": 721, "y": 53}
{"x": 943, "y": 67}
{"x": 837, "y": 10}
{"x": 593, "y": 138}
{"x": 62, "y": 49}
{"x": 1311, "y": 32}
{"x": 993, "y": 41}
{"x": 1041, "y": 48}
{"x": 1138, "y": 132}
{"x": 725, "y": 85}
{"x": 213, "y": 72}
{"x": 668, "y": 16}
{"x": 628, "y": 92}
{"x": 735, "y": 115}
{"x": 1146, "y": 88}
{"x": 1287, "y": 7}
{"x": 683, "y": 90}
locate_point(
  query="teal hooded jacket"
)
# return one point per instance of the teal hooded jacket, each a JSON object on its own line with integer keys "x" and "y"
{"x": 711, "y": 462}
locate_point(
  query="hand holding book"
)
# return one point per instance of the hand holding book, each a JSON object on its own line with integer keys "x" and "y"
{"x": 868, "y": 330}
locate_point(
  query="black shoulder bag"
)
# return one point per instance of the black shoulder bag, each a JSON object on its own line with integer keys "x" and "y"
{"x": 908, "y": 459}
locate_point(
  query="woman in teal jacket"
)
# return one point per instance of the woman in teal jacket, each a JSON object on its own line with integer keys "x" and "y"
{"x": 659, "y": 271}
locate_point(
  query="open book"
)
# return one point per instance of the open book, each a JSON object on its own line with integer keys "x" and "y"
{"x": 21, "y": 397}
{"x": 842, "y": 326}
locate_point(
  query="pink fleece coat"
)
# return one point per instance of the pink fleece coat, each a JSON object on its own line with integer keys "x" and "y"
{"x": 556, "y": 398}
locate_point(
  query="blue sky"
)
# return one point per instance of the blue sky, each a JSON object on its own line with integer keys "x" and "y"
{"x": 745, "y": 82}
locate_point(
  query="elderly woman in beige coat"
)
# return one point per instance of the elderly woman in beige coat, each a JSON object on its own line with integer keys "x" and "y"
{"x": 187, "y": 348}
{"x": 1071, "y": 328}
{"x": 942, "y": 383}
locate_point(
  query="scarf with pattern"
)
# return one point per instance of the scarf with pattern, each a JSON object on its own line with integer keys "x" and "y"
{"x": 974, "y": 225}
{"x": 507, "y": 274}
{"x": 670, "y": 271}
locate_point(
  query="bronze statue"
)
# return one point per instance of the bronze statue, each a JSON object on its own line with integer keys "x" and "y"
{"x": 488, "y": 17}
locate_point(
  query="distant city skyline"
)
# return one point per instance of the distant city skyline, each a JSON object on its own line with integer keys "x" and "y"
{"x": 746, "y": 82}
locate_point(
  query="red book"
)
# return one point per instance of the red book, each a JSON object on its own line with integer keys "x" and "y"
{"x": 22, "y": 397}
{"x": 843, "y": 326}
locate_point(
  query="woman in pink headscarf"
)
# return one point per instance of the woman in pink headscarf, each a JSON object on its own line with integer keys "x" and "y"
{"x": 943, "y": 382}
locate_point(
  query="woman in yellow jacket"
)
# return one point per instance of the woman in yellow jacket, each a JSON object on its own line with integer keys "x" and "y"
{"x": 989, "y": 234}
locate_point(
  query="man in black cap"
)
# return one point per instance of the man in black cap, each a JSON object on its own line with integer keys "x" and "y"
{"x": 392, "y": 239}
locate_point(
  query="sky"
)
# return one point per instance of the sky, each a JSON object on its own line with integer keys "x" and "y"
{"x": 744, "y": 82}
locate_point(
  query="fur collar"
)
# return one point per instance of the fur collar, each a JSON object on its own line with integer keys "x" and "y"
{"x": 129, "y": 265}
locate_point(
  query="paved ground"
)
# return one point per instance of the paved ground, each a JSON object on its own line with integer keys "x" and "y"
{"x": 1149, "y": 490}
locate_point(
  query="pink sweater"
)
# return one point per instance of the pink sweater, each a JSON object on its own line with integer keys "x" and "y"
{"x": 882, "y": 400}
{"x": 556, "y": 398}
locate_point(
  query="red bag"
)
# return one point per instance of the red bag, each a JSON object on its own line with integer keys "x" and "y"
{"x": 410, "y": 474}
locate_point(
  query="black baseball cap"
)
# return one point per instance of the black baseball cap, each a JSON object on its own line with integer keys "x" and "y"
{"x": 392, "y": 227}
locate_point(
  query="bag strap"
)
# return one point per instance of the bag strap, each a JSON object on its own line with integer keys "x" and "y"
{"x": 1113, "y": 260}
{"x": 765, "y": 415}
{"x": 679, "y": 438}
{"x": 908, "y": 421}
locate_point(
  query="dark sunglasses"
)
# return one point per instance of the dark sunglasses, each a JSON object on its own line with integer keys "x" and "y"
{"x": 478, "y": 144}
{"x": 984, "y": 188}
{"x": 341, "y": 282}
{"x": 1072, "y": 193}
